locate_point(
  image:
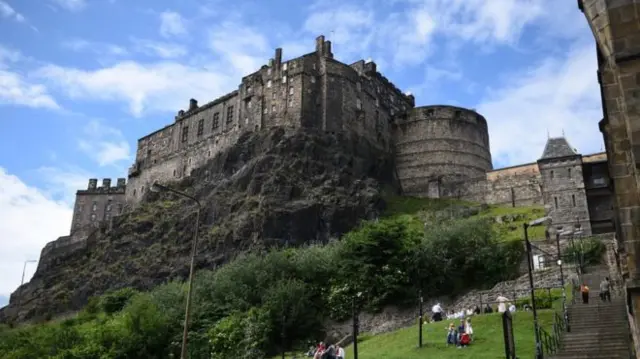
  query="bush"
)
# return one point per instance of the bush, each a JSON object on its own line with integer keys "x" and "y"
{"x": 590, "y": 250}
{"x": 113, "y": 302}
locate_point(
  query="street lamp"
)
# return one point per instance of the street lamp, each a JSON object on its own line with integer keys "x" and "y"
{"x": 565, "y": 313}
{"x": 156, "y": 187}
{"x": 355, "y": 324}
{"x": 24, "y": 268}
{"x": 536, "y": 327}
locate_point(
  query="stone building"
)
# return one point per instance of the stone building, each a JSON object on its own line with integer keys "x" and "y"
{"x": 616, "y": 28}
{"x": 94, "y": 207}
{"x": 313, "y": 90}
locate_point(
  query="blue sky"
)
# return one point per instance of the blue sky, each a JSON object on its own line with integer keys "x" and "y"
{"x": 81, "y": 80}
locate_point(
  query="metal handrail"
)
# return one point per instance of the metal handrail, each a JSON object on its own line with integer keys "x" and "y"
{"x": 551, "y": 341}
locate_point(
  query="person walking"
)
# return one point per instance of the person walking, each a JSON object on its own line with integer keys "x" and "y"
{"x": 605, "y": 290}
{"x": 584, "y": 289}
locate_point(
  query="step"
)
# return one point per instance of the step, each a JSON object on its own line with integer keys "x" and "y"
{"x": 600, "y": 336}
{"x": 598, "y": 346}
{"x": 594, "y": 355}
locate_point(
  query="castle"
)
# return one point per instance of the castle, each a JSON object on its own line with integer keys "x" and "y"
{"x": 440, "y": 151}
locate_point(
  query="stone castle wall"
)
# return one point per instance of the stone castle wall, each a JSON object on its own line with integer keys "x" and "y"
{"x": 313, "y": 90}
{"x": 437, "y": 146}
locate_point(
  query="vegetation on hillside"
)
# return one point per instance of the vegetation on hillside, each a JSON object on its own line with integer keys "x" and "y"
{"x": 242, "y": 309}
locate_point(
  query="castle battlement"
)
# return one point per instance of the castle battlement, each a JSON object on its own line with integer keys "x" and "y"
{"x": 106, "y": 188}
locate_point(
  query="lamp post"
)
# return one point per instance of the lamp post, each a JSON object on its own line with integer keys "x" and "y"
{"x": 565, "y": 314}
{"x": 536, "y": 327}
{"x": 421, "y": 319}
{"x": 355, "y": 324}
{"x": 156, "y": 187}
{"x": 24, "y": 268}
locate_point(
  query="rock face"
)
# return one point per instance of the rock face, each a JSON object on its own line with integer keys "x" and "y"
{"x": 272, "y": 188}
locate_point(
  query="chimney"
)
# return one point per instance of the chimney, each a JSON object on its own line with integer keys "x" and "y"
{"x": 278, "y": 57}
{"x": 193, "y": 104}
{"x": 371, "y": 67}
{"x": 327, "y": 49}
{"x": 93, "y": 183}
{"x": 106, "y": 183}
{"x": 122, "y": 182}
{"x": 320, "y": 44}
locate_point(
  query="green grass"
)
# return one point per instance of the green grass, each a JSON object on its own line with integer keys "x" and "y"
{"x": 509, "y": 229}
{"x": 488, "y": 340}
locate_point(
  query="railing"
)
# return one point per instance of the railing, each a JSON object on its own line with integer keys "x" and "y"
{"x": 551, "y": 341}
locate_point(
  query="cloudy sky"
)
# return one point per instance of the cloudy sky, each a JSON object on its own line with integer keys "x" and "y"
{"x": 81, "y": 80}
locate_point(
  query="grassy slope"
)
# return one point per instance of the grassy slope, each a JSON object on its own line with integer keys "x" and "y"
{"x": 508, "y": 230}
{"x": 488, "y": 340}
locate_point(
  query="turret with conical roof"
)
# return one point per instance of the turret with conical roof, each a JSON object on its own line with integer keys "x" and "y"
{"x": 564, "y": 191}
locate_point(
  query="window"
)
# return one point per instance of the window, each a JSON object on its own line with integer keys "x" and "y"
{"x": 249, "y": 89}
{"x": 229, "y": 114}
{"x": 273, "y": 95}
{"x": 201, "y": 127}
{"x": 185, "y": 133}
{"x": 284, "y": 79}
{"x": 174, "y": 173}
{"x": 269, "y": 71}
{"x": 249, "y": 104}
{"x": 266, "y": 110}
{"x": 216, "y": 121}
{"x": 284, "y": 67}
{"x": 120, "y": 208}
{"x": 359, "y": 104}
{"x": 107, "y": 216}
{"x": 313, "y": 66}
{"x": 273, "y": 108}
{"x": 93, "y": 217}
{"x": 552, "y": 174}
{"x": 377, "y": 102}
{"x": 94, "y": 206}
{"x": 359, "y": 86}
{"x": 246, "y": 120}
{"x": 148, "y": 152}
{"x": 569, "y": 172}
{"x": 291, "y": 90}
{"x": 555, "y": 200}
{"x": 109, "y": 206}
{"x": 313, "y": 79}
{"x": 269, "y": 83}
{"x": 290, "y": 102}
{"x": 184, "y": 170}
{"x": 573, "y": 199}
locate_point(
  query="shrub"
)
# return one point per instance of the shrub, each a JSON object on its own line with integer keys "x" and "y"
{"x": 113, "y": 302}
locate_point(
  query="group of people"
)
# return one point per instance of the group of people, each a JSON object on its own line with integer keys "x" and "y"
{"x": 605, "y": 291}
{"x": 322, "y": 351}
{"x": 460, "y": 336}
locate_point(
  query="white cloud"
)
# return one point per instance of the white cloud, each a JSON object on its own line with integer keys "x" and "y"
{"x": 20, "y": 207}
{"x": 7, "y": 11}
{"x": 16, "y": 88}
{"x": 61, "y": 183}
{"x": 558, "y": 95}
{"x": 71, "y": 5}
{"x": 164, "y": 86}
{"x": 94, "y": 47}
{"x": 104, "y": 144}
{"x": 161, "y": 49}
{"x": 242, "y": 48}
{"x": 172, "y": 24}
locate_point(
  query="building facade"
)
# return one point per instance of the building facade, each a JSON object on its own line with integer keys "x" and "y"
{"x": 616, "y": 26}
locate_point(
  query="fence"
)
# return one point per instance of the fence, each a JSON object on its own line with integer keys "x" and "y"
{"x": 551, "y": 341}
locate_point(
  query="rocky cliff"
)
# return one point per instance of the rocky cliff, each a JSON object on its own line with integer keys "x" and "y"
{"x": 273, "y": 188}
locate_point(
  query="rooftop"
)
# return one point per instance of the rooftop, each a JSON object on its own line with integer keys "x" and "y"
{"x": 557, "y": 147}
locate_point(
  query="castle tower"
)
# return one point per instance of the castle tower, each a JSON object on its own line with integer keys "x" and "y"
{"x": 564, "y": 192}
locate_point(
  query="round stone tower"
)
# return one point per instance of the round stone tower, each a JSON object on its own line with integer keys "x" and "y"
{"x": 438, "y": 147}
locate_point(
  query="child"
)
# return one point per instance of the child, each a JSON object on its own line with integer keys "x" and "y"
{"x": 452, "y": 335}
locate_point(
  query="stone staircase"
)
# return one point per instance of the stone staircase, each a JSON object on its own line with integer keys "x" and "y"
{"x": 598, "y": 329}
